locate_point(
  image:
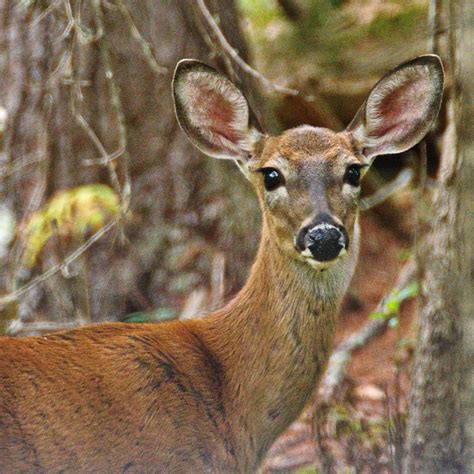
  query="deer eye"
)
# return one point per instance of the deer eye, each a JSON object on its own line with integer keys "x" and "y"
{"x": 352, "y": 175}
{"x": 272, "y": 178}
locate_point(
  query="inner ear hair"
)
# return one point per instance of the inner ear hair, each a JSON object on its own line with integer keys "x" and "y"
{"x": 400, "y": 108}
{"x": 212, "y": 111}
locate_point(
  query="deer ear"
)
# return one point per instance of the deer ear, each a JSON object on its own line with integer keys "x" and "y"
{"x": 212, "y": 112}
{"x": 400, "y": 109}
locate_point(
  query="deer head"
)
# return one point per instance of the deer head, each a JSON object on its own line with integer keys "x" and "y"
{"x": 308, "y": 179}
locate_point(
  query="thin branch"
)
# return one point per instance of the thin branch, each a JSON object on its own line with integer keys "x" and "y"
{"x": 59, "y": 267}
{"x": 9, "y": 170}
{"x": 117, "y": 105}
{"x": 341, "y": 357}
{"x": 75, "y": 21}
{"x": 234, "y": 55}
{"x": 75, "y": 97}
{"x": 104, "y": 160}
{"x": 70, "y": 23}
{"x": 194, "y": 304}
{"x": 19, "y": 327}
{"x": 64, "y": 61}
{"x": 217, "y": 281}
{"x": 144, "y": 45}
{"x": 45, "y": 13}
{"x": 401, "y": 181}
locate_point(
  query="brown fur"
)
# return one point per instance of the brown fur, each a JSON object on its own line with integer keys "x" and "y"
{"x": 210, "y": 394}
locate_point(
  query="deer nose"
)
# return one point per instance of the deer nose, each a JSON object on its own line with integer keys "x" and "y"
{"x": 325, "y": 242}
{"x": 323, "y": 239}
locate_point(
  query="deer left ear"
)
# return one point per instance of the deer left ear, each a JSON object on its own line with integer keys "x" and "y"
{"x": 213, "y": 112}
{"x": 400, "y": 109}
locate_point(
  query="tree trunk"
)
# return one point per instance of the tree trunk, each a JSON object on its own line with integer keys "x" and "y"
{"x": 434, "y": 436}
{"x": 112, "y": 64}
{"x": 467, "y": 119}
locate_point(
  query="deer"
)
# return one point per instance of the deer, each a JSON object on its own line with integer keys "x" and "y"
{"x": 212, "y": 393}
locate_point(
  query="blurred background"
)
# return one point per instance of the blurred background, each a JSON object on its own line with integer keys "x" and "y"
{"x": 108, "y": 213}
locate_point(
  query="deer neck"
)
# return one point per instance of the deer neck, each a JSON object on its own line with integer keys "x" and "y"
{"x": 274, "y": 338}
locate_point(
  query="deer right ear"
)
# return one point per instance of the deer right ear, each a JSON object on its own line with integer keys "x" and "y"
{"x": 212, "y": 112}
{"x": 400, "y": 109}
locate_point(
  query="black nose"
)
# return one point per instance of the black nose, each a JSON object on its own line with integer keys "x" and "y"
{"x": 325, "y": 242}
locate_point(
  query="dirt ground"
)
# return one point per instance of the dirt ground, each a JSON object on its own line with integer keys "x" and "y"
{"x": 373, "y": 394}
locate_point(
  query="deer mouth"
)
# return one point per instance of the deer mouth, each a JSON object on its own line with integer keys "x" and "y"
{"x": 322, "y": 244}
{"x": 324, "y": 265}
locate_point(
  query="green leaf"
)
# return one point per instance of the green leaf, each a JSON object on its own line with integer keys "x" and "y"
{"x": 71, "y": 214}
{"x": 391, "y": 304}
{"x": 377, "y": 315}
{"x": 160, "y": 314}
{"x": 410, "y": 291}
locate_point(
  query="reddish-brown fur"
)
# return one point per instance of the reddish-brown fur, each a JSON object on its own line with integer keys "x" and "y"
{"x": 209, "y": 394}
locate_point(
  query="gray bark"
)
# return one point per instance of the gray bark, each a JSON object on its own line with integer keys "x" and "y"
{"x": 467, "y": 177}
{"x": 434, "y": 432}
{"x": 184, "y": 206}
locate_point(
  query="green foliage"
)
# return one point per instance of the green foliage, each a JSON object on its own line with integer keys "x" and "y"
{"x": 403, "y": 23}
{"x": 391, "y": 305}
{"x": 69, "y": 214}
{"x": 307, "y": 470}
{"x": 160, "y": 314}
{"x": 405, "y": 254}
{"x": 348, "y": 423}
{"x": 260, "y": 12}
{"x": 332, "y": 37}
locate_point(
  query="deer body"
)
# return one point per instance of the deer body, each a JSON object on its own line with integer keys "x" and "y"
{"x": 212, "y": 394}
{"x": 183, "y": 396}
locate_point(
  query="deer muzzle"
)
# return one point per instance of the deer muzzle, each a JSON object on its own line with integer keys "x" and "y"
{"x": 323, "y": 240}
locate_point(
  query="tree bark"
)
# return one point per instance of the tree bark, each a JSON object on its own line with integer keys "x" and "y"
{"x": 467, "y": 136}
{"x": 184, "y": 206}
{"x": 434, "y": 432}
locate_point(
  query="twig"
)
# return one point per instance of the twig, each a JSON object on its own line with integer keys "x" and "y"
{"x": 234, "y": 55}
{"x": 75, "y": 97}
{"x": 17, "y": 326}
{"x": 217, "y": 281}
{"x": 59, "y": 267}
{"x": 103, "y": 160}
{"x": 62, "y": 64}
{"x": 401, "y": 181}
{"x": 340, "y": 358}
{"x": 117, "y": 105}
{"x": 45, "y": 13}
{"x": 70, "y": 23}
{"x": 194, "y": 303}
{"x": 144, "y": 45}
{"x": 74, "y": 21}
{"x": 9, "y": 170}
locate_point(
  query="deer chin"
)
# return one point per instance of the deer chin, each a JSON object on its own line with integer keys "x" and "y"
{"x": 321, "y": 266}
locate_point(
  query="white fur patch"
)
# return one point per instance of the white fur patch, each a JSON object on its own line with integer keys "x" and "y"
{"x": 323, "y": 225}
{"x": 276, "y": 196}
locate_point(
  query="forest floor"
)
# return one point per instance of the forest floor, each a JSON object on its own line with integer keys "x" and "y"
{"x": 361, "y": 431}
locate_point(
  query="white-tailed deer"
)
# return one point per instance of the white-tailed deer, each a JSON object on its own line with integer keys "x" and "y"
{"x": 211, "y": 394}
